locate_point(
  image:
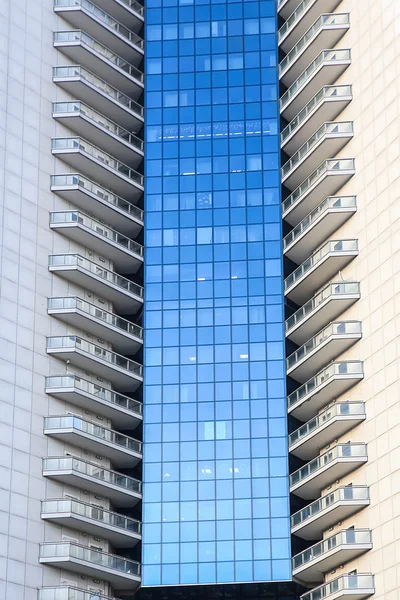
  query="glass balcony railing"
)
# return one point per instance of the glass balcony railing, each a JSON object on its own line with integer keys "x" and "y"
{"x": 344, "y": 583}
{"x": 102, "y": 433}
{"x": 338, "y": 328}
{"x": 341, "y": 164}
{"x": 99, "y": 84}
{"x": 326, "y": 93}
{"x": 75, "y": 303}
{"x": 339, "y": 451}
{"x": 86, "y": 40}
{"x": 80, "y": 108}
{"x": 94, "y": 513}
{"x": 78, "y": 218}
{"x": 70, "y": 593}
{"x": 340, "y": 409}
{"x": 346, "y": 537}
{"x": 350, "y": 493}
{"x": 97, "y": 352}
{"x": 97, "y": 472}
{"x": 71, "y": 550}
{"x": 331, "y": 246}
{"x": 346, "y": 368}
{"x": 294, "y": 18}
{"x": 325, "y": 56}
{"x": 331, "y": 290}
{"x": 327, "y": 129}
{"x": 87, "y": 387}
{"x": 105, "y": 18}
{"x": 330, "y": 20}
{"x": 332, "y": 202}
{"x": 77, "y": 143}
{"x": 75, "y": 260}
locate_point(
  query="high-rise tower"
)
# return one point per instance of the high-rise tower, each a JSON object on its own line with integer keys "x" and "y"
{"x": 199, "y": 300}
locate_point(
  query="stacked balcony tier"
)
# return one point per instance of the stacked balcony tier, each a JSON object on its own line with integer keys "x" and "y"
{"x": 356, "y": 586}
{"x": 301, "y": 19}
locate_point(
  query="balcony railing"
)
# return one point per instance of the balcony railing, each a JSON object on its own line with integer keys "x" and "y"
{"x": 91, "y": 555}
{"x": 75, "y": 260}
{"x": 105, "y": 18}
{"x": 331, "y": 246}
{"x": 75, "y": 179}
{"x": 79, "y": 218}
{"x": 332, "y": 202}
{"x": 339, "y": 451}
{"x": 86, "y": 40}
{"x": 338, "y": 328}
{"x": 70, "y": 593}
{"x": 80, "y": 108}
{"x": 75, "y": 303}
{"x": 326, "y": 93}
{"x": 324, "y": 56}
{"x": 293, "y": 18}
{"x": 112, "y": 358}
{"x": 349, "y": 537}
{"x": 100, "y": 84}
{"x": 95, "y": 513}
{"x": 340, "y": 409}
{"x": 339, "y": 368}
{"x": 343, "y": 494}
{"x": 102, "y": 433}
{"x": 77, "y": 143}
{"x": 328, "y": 129}
{"x": 335, "y": 165}
{"x": 97, "y": 472}
{"x": 87, "y": 387}
{"x": 332, "y": 20}
{"x": 348, "y": 584}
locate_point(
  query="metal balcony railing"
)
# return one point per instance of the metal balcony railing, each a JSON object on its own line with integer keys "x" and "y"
{"x": 345, "y": 537}
{"x": 344, "y": 583}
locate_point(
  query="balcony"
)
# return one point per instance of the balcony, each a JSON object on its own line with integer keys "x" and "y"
{"x": 326, "y": 105}
{"x": 322, "y": 349}
{"x": 120, "y": 572}
{"x": 314, "y": 272}
{"x": 326, "y": 32}
{"x": 325, "y": 181}
{"x": 100, "y": 131}
{"x": 124, "y": 412}
{"x": 83, "y": 14}
{"x": 126, "y": 254}
{"x": 327, "y": 426}
{"x": 300, "y": 21}
{"x": 66, "y": 592}
{"x": 123, "y": 491}
{"x": 318, "y": 225}
{"x": 126, "y": 296}
{"x": 310, "y": 565}
{"x": 118, "y": 529}
{"x": 348, "y": 587}
{"x": 328, "y": 384}
{"x": 327, "y": 141}
{"x": 125, "y": 337}
{"x": 87, "y": 195}
{"x": 308, "y": 481}
{"x": 311, "y": 522}
{"x": 286, "y": 7}
{"x": 323, "y": 308}
{"x": 324, "y": 70}
{"x": 126, "y": 375}
{"x": 109, "y": 101}
{"x": 83, "y": 50}
{"x": 98, "y": 165}
{"x": 123, "y": 451}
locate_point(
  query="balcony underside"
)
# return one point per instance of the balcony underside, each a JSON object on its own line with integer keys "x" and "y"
{"x": 116, "y": 111}
{"x": 124, "y": 302}
{"x": 124, "y": 260}
{"x": 314, "y": 527}
{"x": 121, "y": 417}
{"x": 286, "y": 7}
{"x": 121, "y": 379}
{"x": 123, "y": 12}
{"x": 99, "y": 206}
{"x": 117, "y": 536}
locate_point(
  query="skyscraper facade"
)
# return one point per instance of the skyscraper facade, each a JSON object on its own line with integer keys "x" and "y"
{"x": 199, "y": 300}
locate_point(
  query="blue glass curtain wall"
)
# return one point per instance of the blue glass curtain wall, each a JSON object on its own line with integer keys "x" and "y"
{"x": 216, "y": 500}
